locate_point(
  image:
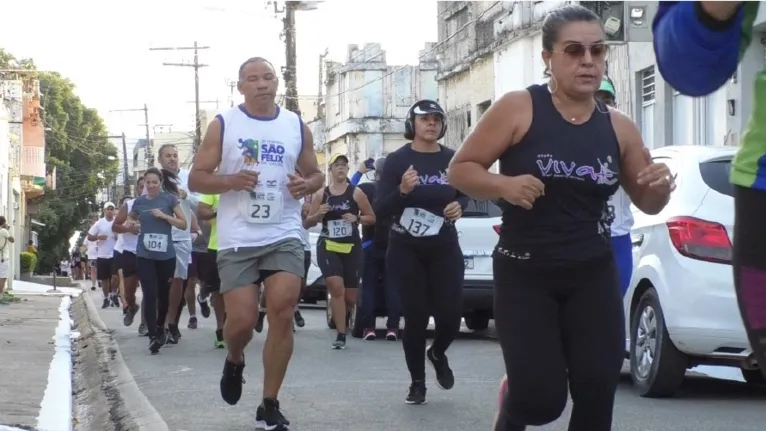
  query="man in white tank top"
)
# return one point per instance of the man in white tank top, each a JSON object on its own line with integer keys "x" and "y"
{"x": 256, "y": 148}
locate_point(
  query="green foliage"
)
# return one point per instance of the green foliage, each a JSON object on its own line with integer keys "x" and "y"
{"x": 28, "y": 262}
{"x": 77, "y": 146}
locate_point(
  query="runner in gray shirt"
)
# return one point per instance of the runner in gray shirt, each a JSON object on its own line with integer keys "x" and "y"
{"x": 157, "y": 211}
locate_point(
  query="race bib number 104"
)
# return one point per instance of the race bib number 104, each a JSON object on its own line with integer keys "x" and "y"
{"x": 261, "y": 207}
{"x": 156, "y": 242}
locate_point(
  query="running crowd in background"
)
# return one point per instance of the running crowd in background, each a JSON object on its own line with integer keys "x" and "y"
{"x": 236, "y": 227}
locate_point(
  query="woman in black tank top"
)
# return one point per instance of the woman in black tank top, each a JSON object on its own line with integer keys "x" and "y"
{"x": 340, "y": 207}
{"x": 558, "y": 306}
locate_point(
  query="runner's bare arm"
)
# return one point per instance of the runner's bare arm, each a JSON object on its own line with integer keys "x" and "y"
{"x": 201, "y": 178}
{"x": 119, "y": 219}
{"x": 194, "y": 223}
{"x": 308, "y": 165}
{"x": 93, "y": 233}
{"x": 314, "y": 216}
{"x": 366, "y": 215}
{"x": 503, "y": 125}
{"x": 178, "y": 219}
{"x": 205, "y": 212}
{"x": 650, "y": 200}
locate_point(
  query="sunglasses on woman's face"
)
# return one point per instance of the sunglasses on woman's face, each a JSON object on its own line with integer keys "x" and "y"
{"x": 598, "y": 51}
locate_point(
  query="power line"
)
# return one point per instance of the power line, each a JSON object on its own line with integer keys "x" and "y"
{"x": 196, "y": 65}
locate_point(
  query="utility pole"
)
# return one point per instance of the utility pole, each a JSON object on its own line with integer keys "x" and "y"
{"x": 149, "y": 150}
{"x": 320, "y": 98}
{"x": 291, "y": 67}
{"x": 125, "y": 175}
{"x": 232, "y": 85}
{"x": 196, "y": 65}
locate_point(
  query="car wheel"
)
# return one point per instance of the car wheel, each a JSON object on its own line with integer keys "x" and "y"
{"x": 328, "y": 312}
{"x": 657, "y": 368}
{"x": 355, "y": 322}
{"x": 754, "y": 377}
{"x": 477, "y": 321}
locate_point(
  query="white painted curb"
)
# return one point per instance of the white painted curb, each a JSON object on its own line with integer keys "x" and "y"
{"x": 56, "y": 407}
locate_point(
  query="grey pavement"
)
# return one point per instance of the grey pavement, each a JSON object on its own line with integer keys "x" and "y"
{"x": 26, "y": 350}
{"x": 363, "y": 387}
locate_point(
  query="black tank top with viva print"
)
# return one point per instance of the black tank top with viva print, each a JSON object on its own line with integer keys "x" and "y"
{"x": 580, "y": 166}
{"x": 334, "y": 227}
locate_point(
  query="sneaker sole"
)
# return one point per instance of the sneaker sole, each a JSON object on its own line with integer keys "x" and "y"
{"x": 438, "y": 385}
{"x": 415, "y": 403}
{"x": 370, "y": 337}
{"x": 261, "y": 425}
{"x": 338, "y": 347}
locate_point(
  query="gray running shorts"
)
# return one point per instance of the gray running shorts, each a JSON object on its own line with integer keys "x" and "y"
{"x": 183, "y": 258}
{"x": 245, "y": 266}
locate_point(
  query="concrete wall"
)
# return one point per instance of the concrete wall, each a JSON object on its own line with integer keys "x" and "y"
{"x": 367, "y": 101}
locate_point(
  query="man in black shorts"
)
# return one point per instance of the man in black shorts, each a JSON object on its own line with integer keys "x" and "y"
{"x": 106, "y": 268}
{"x": 207, "y": 267}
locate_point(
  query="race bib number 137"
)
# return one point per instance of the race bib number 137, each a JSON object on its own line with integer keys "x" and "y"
{"x": 419, "y": 222}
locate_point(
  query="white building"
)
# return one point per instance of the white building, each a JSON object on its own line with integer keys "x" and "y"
{"x": 367, "y": 101}
{"x": 11, "y": 96}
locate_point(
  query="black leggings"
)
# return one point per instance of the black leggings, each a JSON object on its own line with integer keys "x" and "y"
{"x": 429, "y": 279}
{"x": 155, "y": 277}
{"x": 559, "y": 326}
{"x": 750, "y": 266}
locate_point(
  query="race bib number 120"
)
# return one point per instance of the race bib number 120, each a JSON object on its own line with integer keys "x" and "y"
{"x": 339, "y": 229}
{"x": 156, "y": 242}
{"x": 419, "y": 222}
{"x": 261, "y": 207}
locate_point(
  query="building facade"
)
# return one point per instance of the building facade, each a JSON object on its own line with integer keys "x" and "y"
{"x": 466, "y": 63}
{"x": 367, "y": 101}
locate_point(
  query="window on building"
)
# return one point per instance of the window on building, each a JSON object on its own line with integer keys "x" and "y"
{"x": 647, "y": 106}
{"x": 482, "y": 107}
{"x": 683, "y": 120}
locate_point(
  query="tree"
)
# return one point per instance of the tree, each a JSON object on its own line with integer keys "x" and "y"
{"x": 77, "y": 146}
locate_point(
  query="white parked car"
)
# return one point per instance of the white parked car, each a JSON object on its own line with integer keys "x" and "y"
{"x": 681, "y": 309}
{"x": 477, "y": 232}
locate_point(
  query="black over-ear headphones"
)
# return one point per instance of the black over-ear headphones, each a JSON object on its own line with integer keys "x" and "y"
{"x": 429, "y": 106}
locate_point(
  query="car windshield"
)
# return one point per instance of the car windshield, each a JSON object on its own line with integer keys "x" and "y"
{"x": 481, "y": 209}
{"x": 716, "y": 175}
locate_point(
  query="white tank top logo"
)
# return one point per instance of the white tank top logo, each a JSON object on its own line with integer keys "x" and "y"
{"x": 257, "y": 152}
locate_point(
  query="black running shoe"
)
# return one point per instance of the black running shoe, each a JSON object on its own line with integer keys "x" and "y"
{"x": 299, "y": 321}
{"x": 157, "y": 341}
{"x": 143, "y": 331}
{"x": 93, "y": 288}
{"x": 417, "y": 394}
{"x": 171, "y": 333}
{"x": 204, "y": 307}
{"x": 231, "y": 381}
{"x": 192, "y": 323}
{"x": 130, "y": 314}
{"x": 340, "y": 342}
{"x": 176, "y": 332}
{"x": 105, "y": 304}
{"x": 445, "y": 379}
{"x": 269, "y": 417}
{"x": 259, "y": 322}
{"x": 115, "y": 301}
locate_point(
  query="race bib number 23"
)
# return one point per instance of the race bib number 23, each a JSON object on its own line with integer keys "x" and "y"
{"x": 419, "y": 222}
{"x": 261, "y": 207}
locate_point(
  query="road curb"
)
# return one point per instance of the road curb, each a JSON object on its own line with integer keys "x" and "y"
{"x": 129, "y": 409}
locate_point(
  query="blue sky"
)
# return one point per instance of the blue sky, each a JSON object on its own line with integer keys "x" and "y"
{"x": 103, "y": 47}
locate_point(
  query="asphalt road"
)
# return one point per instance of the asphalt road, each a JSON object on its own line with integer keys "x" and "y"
{"x": 363, "y": 387}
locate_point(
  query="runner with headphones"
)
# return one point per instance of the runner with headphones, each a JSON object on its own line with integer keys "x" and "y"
{"x": 424, "y": 260}
{"x": 340, "y": 207}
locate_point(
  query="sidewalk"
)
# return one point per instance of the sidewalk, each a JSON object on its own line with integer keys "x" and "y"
{"x": 35, "y": 360}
